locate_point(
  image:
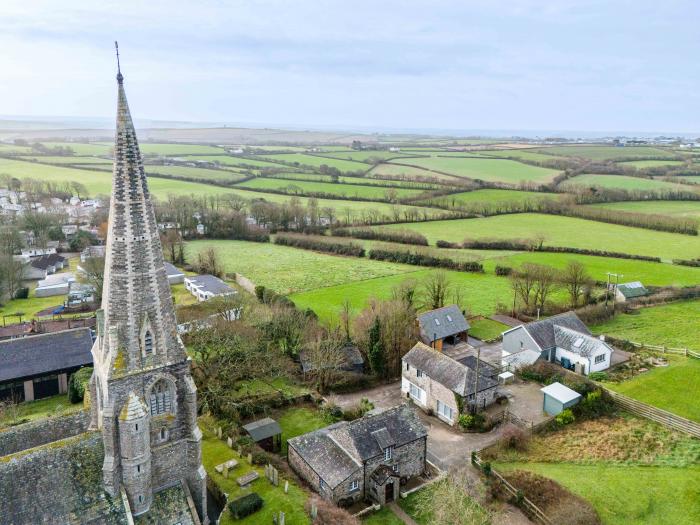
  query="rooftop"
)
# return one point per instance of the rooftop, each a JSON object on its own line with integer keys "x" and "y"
{"x": 211, "y": 284}
{"x": 560, "y": 392}
{"x": 443, "y": 322}
{"x": 263, "y": 429}
{"x": 542, "y": 332}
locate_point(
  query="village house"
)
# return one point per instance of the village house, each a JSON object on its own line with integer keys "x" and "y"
{"x": 41, "y": 267}
{"x": 366, "y": 459}
{"x": 563, "y": 339}
{"x": 443, "y": 326}
{"x": 445, "y": 386}
{"x": 627, "y": 291}
{"x": 39, "y": 366}
{"x": 204, "y": 287}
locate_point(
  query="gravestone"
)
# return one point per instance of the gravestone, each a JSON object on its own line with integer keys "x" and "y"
{"x": 250, "y": 458}
{"x": 225, "y": 470}
{"x": 286, "y": 487}
{"x": 219, "y": 433}
{"x": 229, "y": 442}
{"x": 281, "y": 521}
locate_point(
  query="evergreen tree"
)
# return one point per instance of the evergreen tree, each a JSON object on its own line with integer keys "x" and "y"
{"x": 377, "y": 359}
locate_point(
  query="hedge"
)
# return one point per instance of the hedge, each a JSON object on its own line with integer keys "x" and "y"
{"x": 683, "y": 262}
{"x": 420, "y": 259}
{"x": 320, "y": 245}
{"x": 78, "y": 383}
{"x": 245, "y": 505}
{"x": 398, "y": 236}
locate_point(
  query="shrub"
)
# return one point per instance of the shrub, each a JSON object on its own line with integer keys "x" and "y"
{"x": 398, "y": 236}
{"x": 565, "y": 417}
{"x": 515, "y": 438}
{"x": 331, "y": 412}
{"x": 541, "y": 372}
{"x": 327, "y": 513}
{"x": 245, "y": 505}
{"x": 260, "y": 458}
{"x": 503, "y": 270}
{"x": 22, "y": 293}
{"x": 78, "y": 383}
{"x": 594, "y": 404}
{"x": 320, "y": 244}
{"x": 598, "y": 376}
{"x": 260, "y": 292}
{"x": 471, "y": 421}
{"x": 359, "y": 410}
{"x": 422, "y": 259}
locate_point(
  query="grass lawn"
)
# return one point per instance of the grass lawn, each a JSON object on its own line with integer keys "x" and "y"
{"x": 364, "y": 181}
{"x": 486, "y": 329}
{"x": 559, "y": 231}
{"x": 525, "y": 154}
{"x": 490, "y": 198}
{"x": 673, "y": 388}
{"x": 676, "y": 324}
{"x": 181, "y": 296}
{"x": 258, "y": 388}
{"x": 621, "y": 182}
{"x": 343, "y": 190}
{"x": 314, "y": 161}
{"x": 41, "y": 408}
{"x": 626, "y": 495}
{"x": 215, "y": 452}
{"x": 492, "y": 170}
{"x": 383, "y": 517}
{"x": 641, "y": 164}
{"x": 296, "y": 421}
{"x": 287, "y": 270}
{"x": 606, "y": 152}
{"x": 670, "y": 208}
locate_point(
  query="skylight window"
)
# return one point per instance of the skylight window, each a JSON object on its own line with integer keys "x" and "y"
{"x": 437, "y": 322}
{"x": 449, "y": 318}
{"x": 578, "y": 342}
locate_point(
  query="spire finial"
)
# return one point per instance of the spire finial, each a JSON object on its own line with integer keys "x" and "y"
{"x": 120, "y": 77}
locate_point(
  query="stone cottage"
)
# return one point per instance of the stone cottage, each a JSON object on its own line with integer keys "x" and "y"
{"x": 436, "y": 382}
{"x": 366, "y": 459}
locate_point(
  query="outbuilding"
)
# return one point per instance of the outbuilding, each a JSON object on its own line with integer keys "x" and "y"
{"x": 265, "y": 432}
{"x": 443, "y": 326}
{"x": 557, "y": 398}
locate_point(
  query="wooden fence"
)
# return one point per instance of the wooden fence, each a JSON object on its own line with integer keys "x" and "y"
{"x": 663, "y": 349}
{"x": 655, "y": 414}
{"x": 528, "y": 506}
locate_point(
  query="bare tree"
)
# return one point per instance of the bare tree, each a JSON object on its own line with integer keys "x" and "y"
{"x": 208, "y": 262}
{"x": 11, "y": 274}
{"x": 326, "y": 357}
{"x": 546, "y": 280}
{"x": 576, "y": 280}
{"x": 345, "y": 318}
{"x": 93, "y": 274}
{"x": 522, "y": 281}
{"x": 435, "y": 288}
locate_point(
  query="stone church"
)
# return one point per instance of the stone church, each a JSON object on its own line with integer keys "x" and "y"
{"x": 136, "y": 457}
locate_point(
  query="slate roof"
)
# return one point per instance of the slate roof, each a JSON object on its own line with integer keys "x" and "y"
{"x": 632, "y": 290}
{"x": 443, "y": 322}
{"x": 543, "y": 331}
{"x": 452, "y": 374}
{"x": 43, "y": 262}
{"x": 382, "y": 473}
{"x": 352, "y": 354}
{"x": 262, "y": 429}
{"x": 211, "y": 284}
{"x": 522, "y": 358}
{"x": 338, "y": 451}
{"x": 578, "y": 343}
{"x": 172, "y": 270}
{"x": 45, "y": 353}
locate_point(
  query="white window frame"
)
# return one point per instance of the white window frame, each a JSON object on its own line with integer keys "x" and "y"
{"x": 388, "y": 453}
{"x": 442, "y": 408}
{"x": 418, "y": 398}
{"x": 601, "y": 358}
{"x": 354, "y": 485}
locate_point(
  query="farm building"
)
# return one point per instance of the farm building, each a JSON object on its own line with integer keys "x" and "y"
{"x": 557, "y": 398}
{"x": 366, "y": 459}
{"x": 265, "y": 432}
{"x": 444, "y": 326}
{"x": 626, "y": 291}
{"x": 175, "y": 275}
{"x": 204, "y": 287}
{"x": 561, "y": 339}
{"x": 434, "y": 381}
{"x": 38, "y": 366}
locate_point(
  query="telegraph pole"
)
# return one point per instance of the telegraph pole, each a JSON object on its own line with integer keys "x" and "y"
{"x": 607, "y": 289}
{"x": 476, "y": 379}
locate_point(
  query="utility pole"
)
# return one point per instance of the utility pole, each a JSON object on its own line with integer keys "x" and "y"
{"x": 476, "y": 379}
{"x": 607, "y": 289}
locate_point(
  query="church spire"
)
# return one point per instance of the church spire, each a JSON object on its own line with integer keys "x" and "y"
{"x": 120, "y": 77}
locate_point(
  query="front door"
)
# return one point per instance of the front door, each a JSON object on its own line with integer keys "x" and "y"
{"x": 389, "y": 492}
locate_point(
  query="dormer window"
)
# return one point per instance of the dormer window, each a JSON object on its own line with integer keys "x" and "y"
{"x": 387, "y": 453}
{"x": 148, "y": 342}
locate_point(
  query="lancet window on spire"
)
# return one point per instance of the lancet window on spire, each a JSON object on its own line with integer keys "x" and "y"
{"x": 148, "y": 342}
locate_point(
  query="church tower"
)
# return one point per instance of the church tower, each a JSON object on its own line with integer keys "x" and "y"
{"x": 144, "y": 399}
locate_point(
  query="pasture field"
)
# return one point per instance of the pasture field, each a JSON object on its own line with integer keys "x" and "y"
{"x": 355, "y": 180}
{"x": 675, "y": 324}
{"x": 606, "y": 152}
{"x": 621, "y": 182}
{"x": 66, "y": 160}
{"x": 486, "y": 198}
{"x": 80, "y": 148}
{"x": 672, "y": 388}
{"x": 481, "y": 292}
{"x": 519, "y": 154}
{"x": 288, "y": 270}
{"x": 194, "y": 173}
{"x": 670, "y": 208}
{"x": 491, "y": 170}
{"x": 559, "y": 231}
{"x": 228, "y": 160}
{"x": 364, "y": 156}
{"x": 148, "y": 148}
{"x": 628, "y": 494}
{"x": 342, "y": 190}
{"x": 12, "y": 149}
{"x": 641, "y": 164}
{"x": 410, "y": 172}
{"x": 313, "y": 161}
{"x": 688, "y": 178}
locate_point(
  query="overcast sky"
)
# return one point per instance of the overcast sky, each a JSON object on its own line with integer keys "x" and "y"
{"x": 608, "y": 65}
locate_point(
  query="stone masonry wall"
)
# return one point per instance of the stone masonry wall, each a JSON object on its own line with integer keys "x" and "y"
{"x": 37, "y": 433}
{"x": 410, "y": 459}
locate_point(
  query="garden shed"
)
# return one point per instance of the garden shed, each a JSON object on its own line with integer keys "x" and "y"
{"x": 265, "y": 432}
{"x": 558, "y": 398}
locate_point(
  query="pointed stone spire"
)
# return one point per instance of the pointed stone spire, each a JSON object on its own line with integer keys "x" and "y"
{"x": 137, "y": 327}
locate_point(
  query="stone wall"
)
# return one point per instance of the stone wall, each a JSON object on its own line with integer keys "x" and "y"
{"x": 302, "y": 468}
{"x": 41, "y": 432}
{"x": 410, "y": 459}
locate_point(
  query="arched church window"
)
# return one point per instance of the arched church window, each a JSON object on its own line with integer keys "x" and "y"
{"x": 161, "y": 398}
{"x": 148, "y": 342}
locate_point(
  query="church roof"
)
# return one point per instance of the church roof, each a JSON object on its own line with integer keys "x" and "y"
{"x": 134, "y": 408}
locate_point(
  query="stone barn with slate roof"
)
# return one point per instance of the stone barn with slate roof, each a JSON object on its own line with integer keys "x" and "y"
{"x": 39, "y": 366}
{"x": 444, "y": 326}
{"x": 445, "y": 386}
{"x": 366, "y": 459}
{"x": 563, "y": 339}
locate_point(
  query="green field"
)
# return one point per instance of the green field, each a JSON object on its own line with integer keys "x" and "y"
{"x": 6, "y": 149}
{"x": 148, "y": 148}
{"x": 670, "y": 208}
{"x": 287, "y": 270}
{"x": 626, "y": 494}
{"x": 481, "y": 292}
{"x": 195, "y": 173}
{"x": 83, "y": 148}
{"x": 491, "y": 170}
{"x": 489, "y": 198}
{"x": 621, "y": 182}
{"x": 317, "y": 177}
{"x": 364, "y": 156}
{"x": 409, "y": 172}
{"x": 66, "y": 160}
{"x": 314, "y": 161}
{"x": 341, "y": 190}
{"x": 559, "y": 231}
{"x": 641, "y": 164}
{"x": 524, "y": 154}
{"x": 606, "y": 152}
{"x": 675, "y": 324}
{"x": 670, "y": 388}
{"x": 228, "y": 160}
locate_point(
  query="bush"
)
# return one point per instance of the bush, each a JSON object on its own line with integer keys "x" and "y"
{"x": 22, "y": 293}
{"x": 422, "y": 259}
{"x": 596, "y": 403}
{"x": 359, "y": 410}
{"x": 260, "y": 458}
{"x": 245, "y": 505}
{"x": 503, "y": 271}
{"x": 78, "y": 383}
{"x": 471, "y": 421}
{"x": 320, "y": 244}
{"x": 565, "y": 417}
{"x": 598, "y": 376}
{"x": 398, "y": 236}
{"x": 329, "y": 514}
{"x": 541, "y": 372}
{"x": 515, "y": 438}
{"x": 260, "y": 292}
{"x": 331, "y": 412}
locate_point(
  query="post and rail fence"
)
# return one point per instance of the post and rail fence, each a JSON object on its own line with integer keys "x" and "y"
{"x": 687, "y": 352}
